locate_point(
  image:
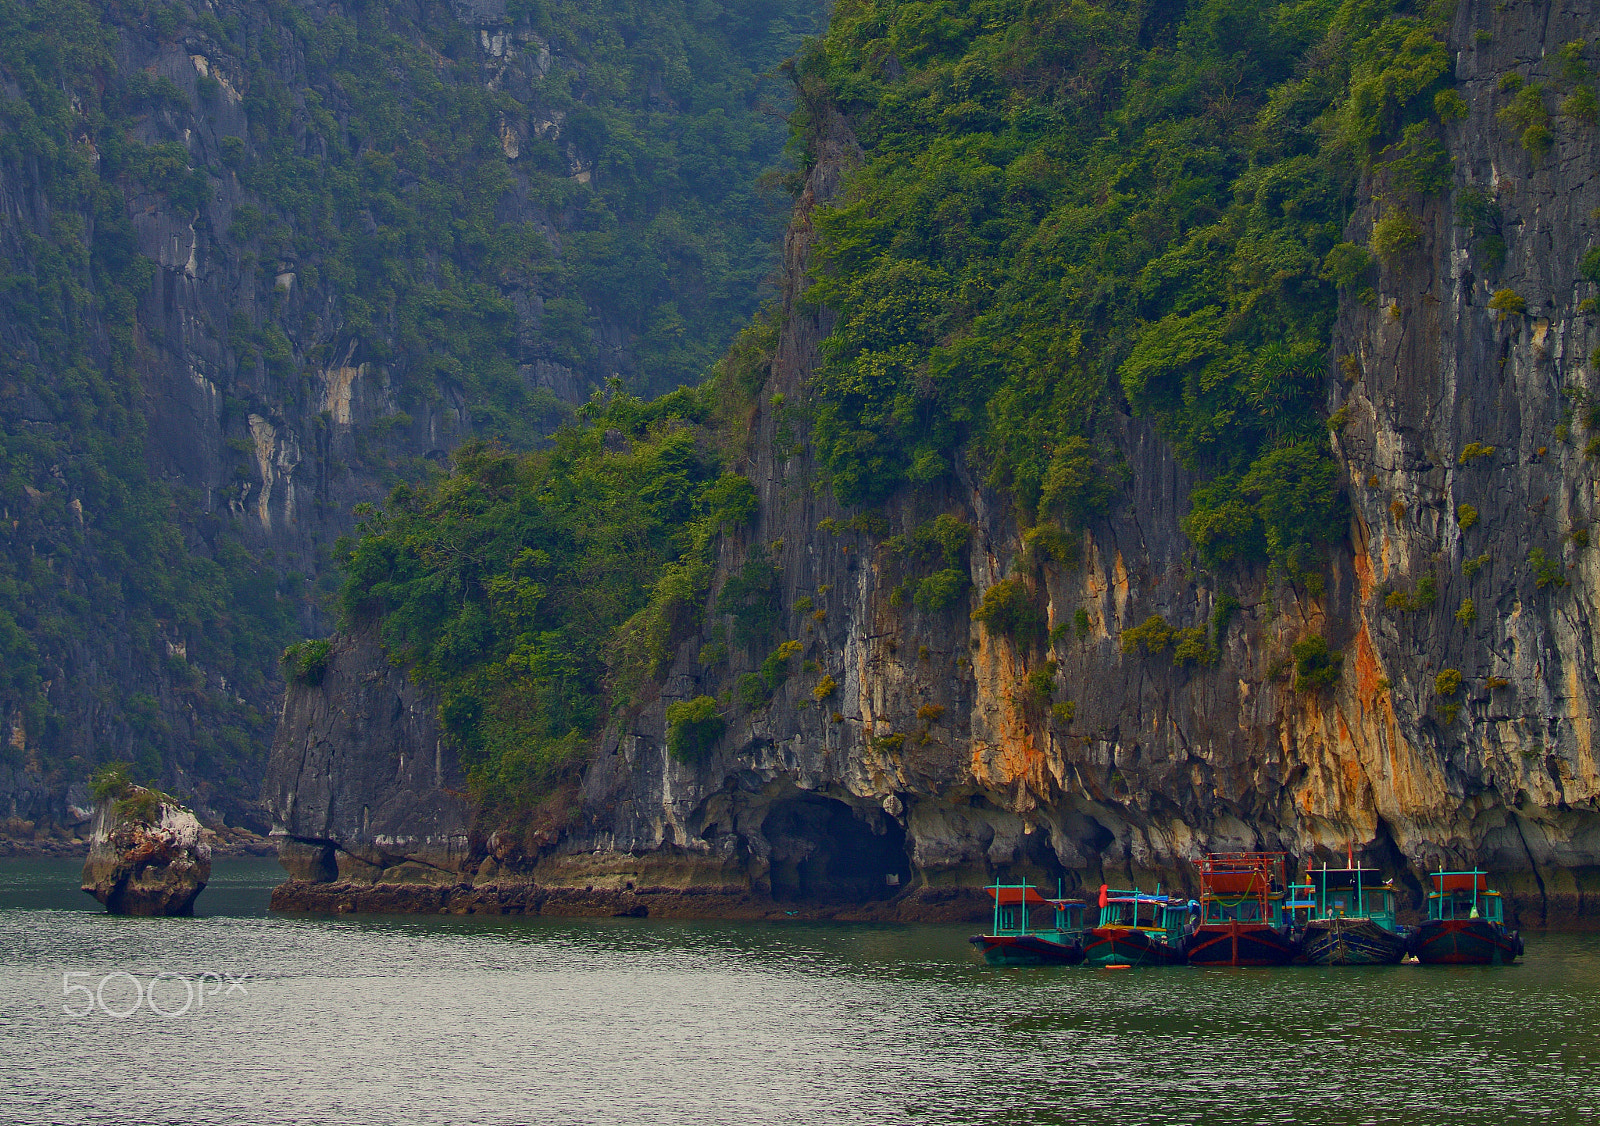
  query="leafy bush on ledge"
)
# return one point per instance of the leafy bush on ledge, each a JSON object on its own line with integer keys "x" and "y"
{"x": 693, "y": 728}
{"x": 1008, "y": 609}
{"x": 305, "y": 662}
{"x": 1315, "y": 665}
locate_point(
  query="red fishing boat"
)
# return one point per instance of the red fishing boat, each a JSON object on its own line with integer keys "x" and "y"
{"x": 1242, "y": 920}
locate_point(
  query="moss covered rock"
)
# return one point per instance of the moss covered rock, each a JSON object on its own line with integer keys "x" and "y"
{"x": 148, "y": 856}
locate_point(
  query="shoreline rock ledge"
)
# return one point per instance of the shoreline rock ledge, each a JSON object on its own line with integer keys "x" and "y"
{"x": 148, "y": 854}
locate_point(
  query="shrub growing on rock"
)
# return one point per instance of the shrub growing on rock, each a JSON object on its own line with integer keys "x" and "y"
{"x": 693, "y": 728}
{"x": 1153, "y": 633}
{"x": 1546, "y": 571}
{"x": 1507, "y": 303}
{"x": 1315, "y": 665}
{"x": 305, "y": 662}
{"x": 1395, "y": 233}
{"x": 1008, "y": 609}
{"x": 941, "y": 590}
{"x": 751, "y": 596}
{"x": 1581, "y": 105}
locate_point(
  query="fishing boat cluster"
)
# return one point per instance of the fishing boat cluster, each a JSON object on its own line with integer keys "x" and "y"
{"x": 1249, "y": 914}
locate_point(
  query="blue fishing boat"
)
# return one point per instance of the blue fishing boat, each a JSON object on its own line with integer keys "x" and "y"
{"x": 1351, "y": 920}
{"x": 1465, "y": 924}
{"x": 1136, "y": 929}
{"x": 1014, "y": 940}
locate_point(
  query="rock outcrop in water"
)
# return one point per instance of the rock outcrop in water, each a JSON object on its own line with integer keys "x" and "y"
{"x": 1459, "y": 727}
{"x": 149, "y": 855}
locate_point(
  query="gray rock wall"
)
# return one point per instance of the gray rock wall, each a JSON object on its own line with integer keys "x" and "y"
{"x": 930, "y": 766}
{"x": 270, "y": 459}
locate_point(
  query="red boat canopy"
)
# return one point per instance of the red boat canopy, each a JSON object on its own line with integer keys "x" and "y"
{"x": 1445, "y": 882}
{"x": 1014, "y": 896}
{"x": 1011, "y": 897}
{"x": 1229, "y": 874}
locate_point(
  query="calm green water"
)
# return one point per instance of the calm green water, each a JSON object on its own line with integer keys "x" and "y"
{"x": 634, "y": 1021}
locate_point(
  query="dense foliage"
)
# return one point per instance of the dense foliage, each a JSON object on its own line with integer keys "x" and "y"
{"x": 362, "y": 150}
{"x": 639, "y": 144}
{"x": 529, "y": 589}
{"x": 97, "y": 569}
{"x": 1064, "y": 210}
{"x": 1069, "y": 206}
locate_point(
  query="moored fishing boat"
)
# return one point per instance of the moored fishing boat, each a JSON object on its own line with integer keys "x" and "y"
{"x": 1465, "y": 924}
{"x": 1352, "y": 921}
{"x": 1135, "y": 929}
{"x": 1013, "y": 940}
{"x": 1242, "y": 921}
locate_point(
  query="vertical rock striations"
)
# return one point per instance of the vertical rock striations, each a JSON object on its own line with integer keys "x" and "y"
{"x": 263, "y": 261}
{"x": 1433, "y": 703}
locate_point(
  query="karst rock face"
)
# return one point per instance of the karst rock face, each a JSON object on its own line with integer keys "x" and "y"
{"x": 272, "y": 382}
{"x": 928, "y": 770}
{"x": 148, "y": 855}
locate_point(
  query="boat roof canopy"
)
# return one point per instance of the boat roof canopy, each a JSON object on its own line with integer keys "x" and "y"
{"x": 1026, "y": 894}
{"x": 1012, "y": 896}
{"x": 1445, "y": 882}
{"x": 1371, "y": 878}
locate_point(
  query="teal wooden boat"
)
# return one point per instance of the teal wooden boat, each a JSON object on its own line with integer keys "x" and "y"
{"x": 1466, "y": 923}
{"x": 1351, "y": 920}
{"x": 1136, "y": 929}
{"x": 1015, "y": 937}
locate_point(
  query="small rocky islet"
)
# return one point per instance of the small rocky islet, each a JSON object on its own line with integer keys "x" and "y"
{"x": 148, "y": 855}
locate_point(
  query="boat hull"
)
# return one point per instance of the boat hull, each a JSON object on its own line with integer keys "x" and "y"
{"x": 1351, "y": 942}
{"x": 1026, "y": 950}
{"x": 1465, "y": 942}
{"x": 1120, "y": 946}
{"x": 1239, "y": 944}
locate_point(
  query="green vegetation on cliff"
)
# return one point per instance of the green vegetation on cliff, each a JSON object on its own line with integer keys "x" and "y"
{"x": 1063, "y": 211}
{"x": 574, "y": 184}
{"x": 635, "y": 141}
{"x": 97, "y": 569}
{"x": 528, "y": 589}
{"x": 1068, "y": 207}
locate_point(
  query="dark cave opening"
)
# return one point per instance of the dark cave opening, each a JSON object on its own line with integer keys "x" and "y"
{"x": 822, "y": 851}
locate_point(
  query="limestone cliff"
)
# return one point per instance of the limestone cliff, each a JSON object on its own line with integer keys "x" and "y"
{"x": 918, "y": 753}
{"x": 264, "y": 261}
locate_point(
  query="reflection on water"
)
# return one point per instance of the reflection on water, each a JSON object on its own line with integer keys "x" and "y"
{"x": 636, "y": 1021}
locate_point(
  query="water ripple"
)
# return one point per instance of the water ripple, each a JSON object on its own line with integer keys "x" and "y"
{"x": 445, "y": 1020}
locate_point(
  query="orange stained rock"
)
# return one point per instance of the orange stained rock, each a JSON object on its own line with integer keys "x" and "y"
{"x": 1578, "y": 707}
{"x": 1365, "y": 580}
{"x": 1013, "y": 754}
{"x": 1094, "y": 581}
{"x": 1367, "y": 671}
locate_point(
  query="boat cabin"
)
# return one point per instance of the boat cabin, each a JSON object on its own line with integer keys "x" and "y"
{"x": 1243, "y": 887}
{"x": 1353, "y": 893}
{"x": 1463, "y": 895}
{"x": 1176, "y": 917}
{"x": 1301, "y": 905}
{"x": 1020, "y": 910}
{"x": 1132, "y": 908}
